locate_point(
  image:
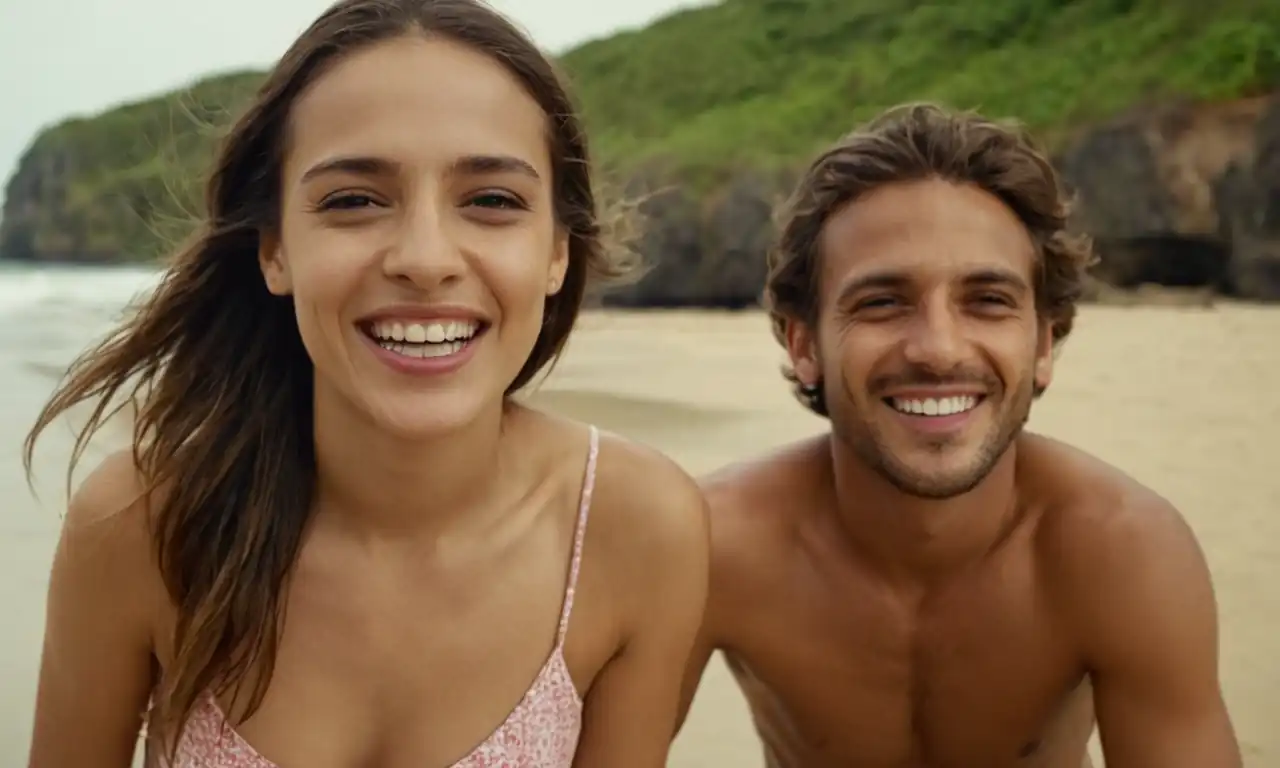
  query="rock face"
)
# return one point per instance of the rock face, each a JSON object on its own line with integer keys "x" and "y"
{"x": 121, "y": 186}
{"x": 707, "y": 252}
{"x": 1248, "y": 195}
{"x": 1172, "y": 195}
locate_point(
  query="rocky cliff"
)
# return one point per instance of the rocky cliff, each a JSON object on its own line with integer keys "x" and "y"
{"x": 1247, "y": 197}
{"x": 1177, "y": 196}
{"x": 1161, "y": 114}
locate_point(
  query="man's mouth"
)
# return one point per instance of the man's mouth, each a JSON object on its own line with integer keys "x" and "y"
{"x": 418, "y": 339}
{"x": 950, "y": 405}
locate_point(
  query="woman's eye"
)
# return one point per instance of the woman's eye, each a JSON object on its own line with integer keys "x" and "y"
{"x": 346, "y": 202}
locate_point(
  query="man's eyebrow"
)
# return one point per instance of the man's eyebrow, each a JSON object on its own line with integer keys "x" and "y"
{"x": 883, "y": 279}
{"x": 995, "y": 276}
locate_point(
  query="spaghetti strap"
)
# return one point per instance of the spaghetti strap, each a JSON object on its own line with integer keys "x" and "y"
{"x": 579, "y": 531}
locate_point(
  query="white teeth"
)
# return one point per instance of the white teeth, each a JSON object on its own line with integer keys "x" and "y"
{"x": 936, "y": 406}
{"x": 421, "y": 340}
{"x": 425, "y": 333}
{"x": 423, "y": 350}
{"x": 414, "y": 333}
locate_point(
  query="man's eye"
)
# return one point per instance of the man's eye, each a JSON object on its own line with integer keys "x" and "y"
{"x": 878, "y": 302}
{"x": 496, "y": 200}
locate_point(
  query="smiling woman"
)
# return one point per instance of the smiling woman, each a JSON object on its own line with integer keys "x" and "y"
{"x": 335, "y": 533}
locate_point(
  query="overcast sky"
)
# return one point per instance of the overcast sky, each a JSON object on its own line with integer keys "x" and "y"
{"x": 66, "y": 57}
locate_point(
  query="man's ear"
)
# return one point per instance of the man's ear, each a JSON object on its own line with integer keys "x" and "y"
{"x": 802, "y": 348}
{"x": 1044, "y": 356}
{"x": 274, "y": 266}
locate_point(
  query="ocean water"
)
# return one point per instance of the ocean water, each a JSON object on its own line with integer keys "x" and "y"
{"x": 61, "y": 296}
{"x": 47, "y": 316}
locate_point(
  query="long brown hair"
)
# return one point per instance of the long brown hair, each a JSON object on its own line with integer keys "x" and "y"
{"x": 913, "y": 142}
{"x": 222, "y": 386}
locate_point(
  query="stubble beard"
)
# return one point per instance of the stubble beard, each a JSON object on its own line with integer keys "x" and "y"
{"x": 858, "y": 433}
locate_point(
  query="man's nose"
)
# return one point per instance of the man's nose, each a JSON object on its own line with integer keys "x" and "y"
{"x": 935, "y": 338}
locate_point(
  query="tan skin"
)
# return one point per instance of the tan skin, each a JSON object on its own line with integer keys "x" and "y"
{"x": 870, "y": 626}
{"x": 428, "y": 589}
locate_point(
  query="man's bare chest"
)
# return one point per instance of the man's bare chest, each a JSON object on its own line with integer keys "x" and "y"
{"x": 985, "y": 675}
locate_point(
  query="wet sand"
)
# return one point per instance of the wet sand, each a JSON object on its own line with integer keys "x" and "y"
{"x": 1181, "y": 398}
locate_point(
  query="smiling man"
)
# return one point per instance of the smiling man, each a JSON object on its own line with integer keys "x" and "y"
{"x": 930, "y": 585}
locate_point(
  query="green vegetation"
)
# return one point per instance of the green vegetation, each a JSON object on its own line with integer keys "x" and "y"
{"x": 703, "y": 92}
{"x": 124, "y": 184}
{"x": 768, "y": 81}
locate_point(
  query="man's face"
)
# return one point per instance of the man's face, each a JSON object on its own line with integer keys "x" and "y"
{"x": 927, "y": 344}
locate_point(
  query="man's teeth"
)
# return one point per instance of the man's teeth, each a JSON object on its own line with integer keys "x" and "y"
{"x": 424, "y": 339}
{"x": 935, "y": 406}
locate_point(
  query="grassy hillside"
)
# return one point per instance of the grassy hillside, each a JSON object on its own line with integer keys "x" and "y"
{"x": 121, "y": 185}
{"x": 766, "y": 81}
{"x": 703, "y": 92}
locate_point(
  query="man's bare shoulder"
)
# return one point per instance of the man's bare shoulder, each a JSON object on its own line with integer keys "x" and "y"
{"x": 1130, "y": 583}
{"x": 756, "y": 507}
{"x": 1087, "y": 502}
{"x": 768, "y": 489}
{"x": 1101, "y": 529}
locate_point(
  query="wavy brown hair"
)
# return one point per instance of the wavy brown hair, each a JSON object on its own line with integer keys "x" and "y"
{"x": 914, "y": 142}
{"x": 214, "y": 367}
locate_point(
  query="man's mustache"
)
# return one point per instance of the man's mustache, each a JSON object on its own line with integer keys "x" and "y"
{"x": 923, "y": 377}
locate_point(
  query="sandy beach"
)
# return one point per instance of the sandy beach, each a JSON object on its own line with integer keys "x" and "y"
{"x": 1180, "y": 398}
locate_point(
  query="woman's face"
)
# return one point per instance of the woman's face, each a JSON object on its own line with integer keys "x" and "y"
{"x": 418, "y": 237}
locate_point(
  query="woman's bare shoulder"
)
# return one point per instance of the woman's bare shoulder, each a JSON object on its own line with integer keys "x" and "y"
{"x": 105, "y": 549}
{"x": 650, "y": 505}
{"x": 111, "y": 504}
{"x": 649, "y": 540}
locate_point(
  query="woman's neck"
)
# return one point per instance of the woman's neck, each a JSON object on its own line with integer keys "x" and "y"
{"x": 378, "y": 485}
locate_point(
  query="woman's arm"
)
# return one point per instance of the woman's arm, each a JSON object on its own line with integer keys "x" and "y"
{"x": 658, "y": 570}
{"x": 96, "y": 667}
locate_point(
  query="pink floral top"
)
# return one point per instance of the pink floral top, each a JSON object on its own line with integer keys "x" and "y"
{"x": 541, "y": 732}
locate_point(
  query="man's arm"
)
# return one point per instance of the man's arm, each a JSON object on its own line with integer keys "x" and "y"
{"x": 1150, "y": 631}
{"x": 660, "y": 575}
